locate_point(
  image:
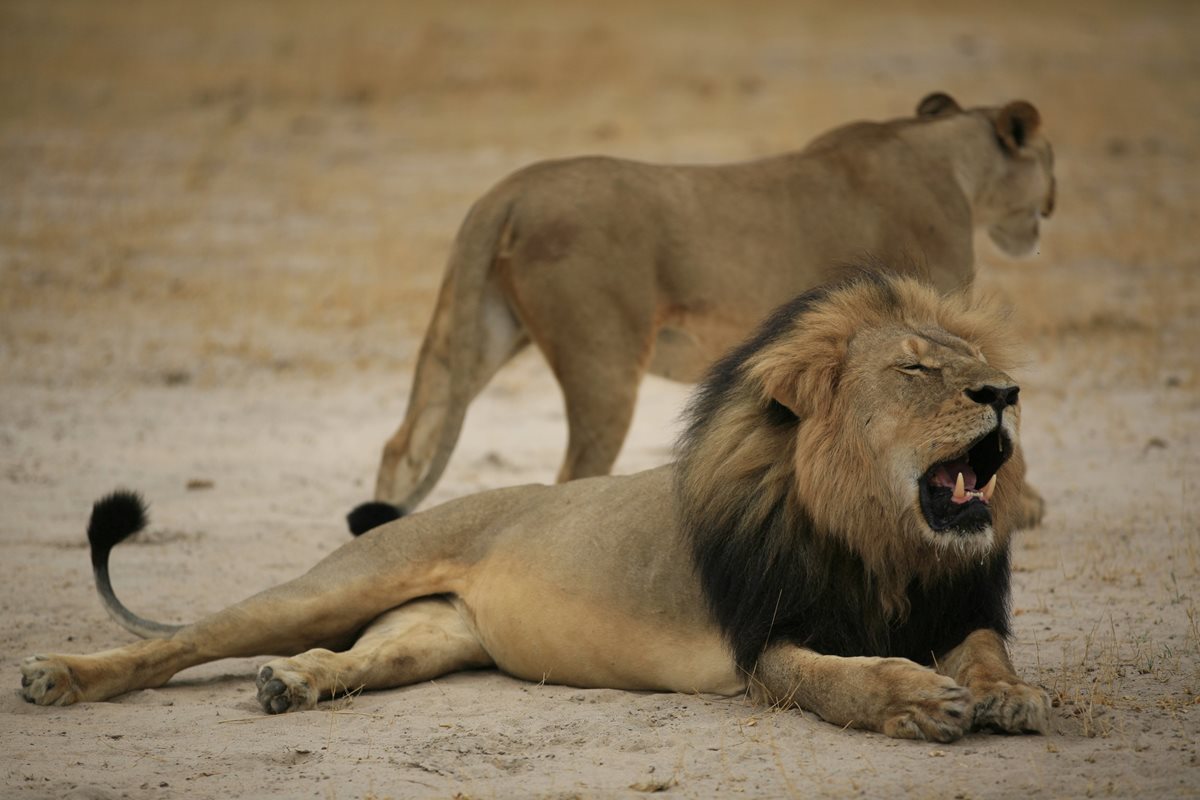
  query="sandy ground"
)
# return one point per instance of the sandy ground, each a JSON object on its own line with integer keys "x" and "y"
{"x": 221, "y": 228}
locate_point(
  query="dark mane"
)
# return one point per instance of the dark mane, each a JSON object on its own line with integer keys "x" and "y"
{"x": 768, "y": 574}
{"x": 724, "y": 375}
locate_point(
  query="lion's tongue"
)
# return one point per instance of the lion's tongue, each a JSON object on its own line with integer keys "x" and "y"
{"x": 946, "y": 475}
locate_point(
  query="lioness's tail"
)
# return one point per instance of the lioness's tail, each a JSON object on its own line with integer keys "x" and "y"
{"x": 472, "y": 334}
{"x": 115, "y": 518}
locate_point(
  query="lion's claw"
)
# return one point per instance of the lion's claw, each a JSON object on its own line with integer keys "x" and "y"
{"x": 920, "y": 703}
{"x": 939, "y": 717}
{"x": 1014, "y": 707}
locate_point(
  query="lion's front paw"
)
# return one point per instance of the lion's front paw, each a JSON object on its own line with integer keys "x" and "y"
{"x": 1015, "y": 707}
{"x": 47, "y": 681}
{"x": 283, "y": 688}
{"x": 921, "y": 703}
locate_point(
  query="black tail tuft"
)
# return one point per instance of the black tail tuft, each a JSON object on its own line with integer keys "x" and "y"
{"x": 115, "y": 517}
{"x": 372, "y": 515}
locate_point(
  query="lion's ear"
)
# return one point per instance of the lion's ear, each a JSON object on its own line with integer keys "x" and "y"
{"x": 936, "y": 104}
{"x": 1016, "y": 123}
{"x": 803, "y": 380}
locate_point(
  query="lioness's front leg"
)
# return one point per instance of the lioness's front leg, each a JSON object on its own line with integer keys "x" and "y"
{"x": 894, "y": 696}
{"x": 999, "y": 698}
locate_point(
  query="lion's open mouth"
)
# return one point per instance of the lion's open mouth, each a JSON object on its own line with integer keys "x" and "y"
{"x": 956, "y": 494}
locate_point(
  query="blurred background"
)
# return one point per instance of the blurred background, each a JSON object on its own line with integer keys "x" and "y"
{"x": 222, "y": 228}
{"x": 206, "y": 189}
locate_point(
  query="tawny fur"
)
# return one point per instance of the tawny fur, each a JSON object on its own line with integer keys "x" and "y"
{"x": 804, "y": 456}
{"x": 615, "y": 268}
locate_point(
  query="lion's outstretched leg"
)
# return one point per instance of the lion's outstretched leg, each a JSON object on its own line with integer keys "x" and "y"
{"x": 894, "y": 696}
{"x": 416, "y": 642}
{"x": 1000, "y": 699}
{"x": 279, "y": 620}
{"x": 60, "y": 680}
{"x": 451, "y": 371}
{"x": 323, "y": 608}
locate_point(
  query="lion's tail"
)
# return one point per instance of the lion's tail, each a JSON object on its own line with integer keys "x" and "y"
{"x": 115, "y": 518}
{"x": 472, "y": 334}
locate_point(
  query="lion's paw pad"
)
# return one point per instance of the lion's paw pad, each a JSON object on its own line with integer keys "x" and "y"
{"x": 283, "y": 689}
{"x": 46, "y": 681}
{"x": 1011, "y": 707}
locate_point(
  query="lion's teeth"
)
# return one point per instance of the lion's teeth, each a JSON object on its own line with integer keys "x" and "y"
{"x": 988, "y": 489}
{"x": 960, "y": 489}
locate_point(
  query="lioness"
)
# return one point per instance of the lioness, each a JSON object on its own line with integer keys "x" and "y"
{"x": 834, "y": 536}
{"x": 614, "y": 267}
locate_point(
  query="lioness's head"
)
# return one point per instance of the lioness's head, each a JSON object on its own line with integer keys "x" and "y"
{"x": 878, "y": 411}
{"x": 1016, "y": 185}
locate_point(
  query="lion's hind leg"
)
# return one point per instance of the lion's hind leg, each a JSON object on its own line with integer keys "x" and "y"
{"x": 416, "y": 642}
{"x": 60, "y": 680}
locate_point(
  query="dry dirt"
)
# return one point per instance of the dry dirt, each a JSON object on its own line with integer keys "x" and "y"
{"x": 221, "y": 228}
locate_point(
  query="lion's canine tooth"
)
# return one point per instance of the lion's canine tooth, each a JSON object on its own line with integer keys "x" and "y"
{"x": 988, "y": 489}
{"x": 960, "y": 490}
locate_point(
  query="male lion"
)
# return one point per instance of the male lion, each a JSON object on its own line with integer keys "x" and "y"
{"x": 614, "y": 267}
{"x": 834, "y": 536}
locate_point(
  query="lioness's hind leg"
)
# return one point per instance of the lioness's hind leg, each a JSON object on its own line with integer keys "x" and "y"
{"x": 1031, "y": 508}
{"x": 599, "y": 377}
{"x": 597, "y": 426}
{"x": 418, "y": 641}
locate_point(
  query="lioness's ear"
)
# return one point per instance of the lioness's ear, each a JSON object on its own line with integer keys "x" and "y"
{"x": 936, "y": 104}
{"x": 1016, "y": 123}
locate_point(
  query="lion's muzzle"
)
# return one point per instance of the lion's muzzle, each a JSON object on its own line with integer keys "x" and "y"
{"x": 956, "y": 494}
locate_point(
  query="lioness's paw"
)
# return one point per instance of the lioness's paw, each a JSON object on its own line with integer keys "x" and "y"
{"x": 921, "y": 704}
{"x": 46, "y": 680}
{"x": 282, "y": 688}
{"x": 1010, "y": 707}
{"x": 1030, "y": 508}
